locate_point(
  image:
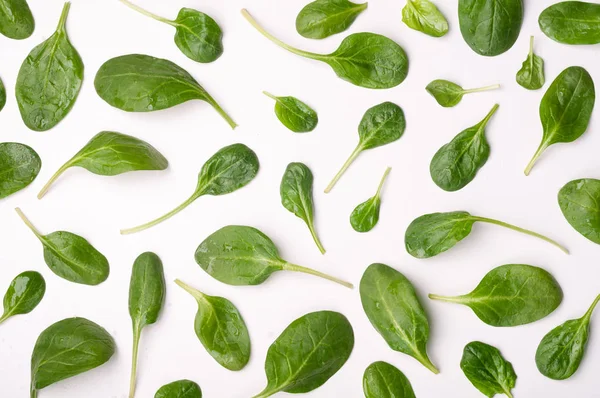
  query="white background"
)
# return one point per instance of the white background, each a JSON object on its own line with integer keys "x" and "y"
{"x": 97, "y": 207}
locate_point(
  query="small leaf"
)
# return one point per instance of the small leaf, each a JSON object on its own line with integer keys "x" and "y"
{"x": 382, "y": 380}
{"x": 16, "y": 20}
{"x": 487, "y": 369}
{"x": 24, "y": 294}
{"x": 294, "y": 114}
{"x": 449, "y": 94}
{"x": 179, "y": 389}
{"x": 20, "y": 165}
{"x": 531, "y": 75}
{"x": 323, "y": 18}
{"x": 424, "y": 16}
{"x": 579, "y": 202}
{"x": 366, "y": 215}
{"x": 2, "y": 94}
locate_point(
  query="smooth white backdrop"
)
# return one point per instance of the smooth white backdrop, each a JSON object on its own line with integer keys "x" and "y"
{"x": 97, "y": 207}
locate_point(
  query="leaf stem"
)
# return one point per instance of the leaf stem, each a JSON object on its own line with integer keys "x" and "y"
{"x": 44, "y": 190}
{"x": 220, "y": 110}
{"x": 447, "y": 299}
{"x": 146, "y": 13}
{"x": 385, "y": 174}
{"x": 315, "y": 237}
{"x": 297, "y": 268}
{"x": 587, "y": 315}
{"x": 477, "y": 90}
{"x": 487, "y": 118}
{"x": 530, "y": 46}
{"x": 351, "y": 159}
{"x": 28, "y": 223}
{"x": 425, "y": 361}
{"x": 4, "y": 317}
{"x": 508, "y": 393}
{"x": 161, "y": 218}
{"x": 62, "y": 22}
{"x": 537, "y": 154}
{"x": 33, "y": 393}
{"x": 134, "y": 358}
{"x": 197, "y": 294}
{"x": 270, "y": 95}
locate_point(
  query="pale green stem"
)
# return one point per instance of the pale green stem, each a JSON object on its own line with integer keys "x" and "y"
{"x": 351, "y": 159}
{"x": 62, "y": 22}
{"x": 270, "y": 95}
{"x": 531, "y": 46}
{"x": 4, "y": 317}
{"x": 53, "y": 179}
{"x": 198, "y": 295}
{"x": 380, "y": 187}
{"x": 28, "y": 223}
{"x": 487, "y": 118}
{"x": 589, "y": 312}
{"x": 266, "y": 394}
{"x": 297, "y": 268}
{"x": 457, "y": 299}
{"x": 480, "y": 89}
{"x": 220, "y": 111}
{"x": 538, "y": 153}
{"x": 427, "y": 363}
{"x": 160, "y": 219}
{"x": 146, "y": 13}
{"x": 315, "y": 237}
{"x": 134, "y": 359}
{"x": 508, "y": 393}
{"x": 33, "y": 392}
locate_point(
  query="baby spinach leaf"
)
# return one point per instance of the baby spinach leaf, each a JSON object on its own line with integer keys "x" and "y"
{"x": 24, "y": 294}
{"x": 424, "y": 16}
{"x": 231, "y": 168}
{"x": 572, "y": 22}
{"x": 141, "y": 83}
{"x": 49, "y": 79}
{"x": 66, "y": 349}
{"x": 297, "y": 196}
{"x": 16, "y": 20}
{"x": 381, "y": 125}
{"x": 392, "y": 306}
{"x": 561, "y": 351}
{"x": 146, "y": 296}
{"x": 566, "y": 109}
{"x": 456, "y": 164}
{"x": 239, "y": 255}
{"x": 197, "y": 35}
{"x": 294, "y": 114}
{"x": 531, "y": 75}
{"x": 221, "y": 329}
{"x": 2, "y": 94}
{"x": 487, "y": 369}
{"x": 70, "y": 256}
{"x": 308, "y": 353}
{"x": 449, "y": 94}
{"x": 366, "y": 215}
{"x": 109, "y": 153}
{"x": 579, "y": 201}
{"x": 490, "y": 27}
{"x": 382, "y": 380}
{"x": 19, "y": 165}
{"x": 432, "y": 234}
{"x": 364, "y": 59}
{"x": 179, "y": 389}
{"x": 511, "y": 295}
{"x": 323, "y": 18}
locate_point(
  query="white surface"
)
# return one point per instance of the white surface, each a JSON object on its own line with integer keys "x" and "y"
{"x": 97, "y": 207}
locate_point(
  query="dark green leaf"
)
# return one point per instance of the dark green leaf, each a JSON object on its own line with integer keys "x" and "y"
{"x": 19, "y": 166}
{"x": 323, "y": 18}
{"x": 366, "y": 215}
{"x": 449, "y": 94}
{"x": 424, "y": 16}
{"x": 579, "y": 201}
{"x": 24, "y": 294}
{"x": 531, "y": 75}
{"x": 16, "y": 21}
{"x": 487, "y": 369}
{"x": 179, "y": 389}
{"x": 382, "y": 380}
{"x": 572, "y": 22}
{"x": 49, "y": 79}
{"x": 2, "y": 94}
{"x": 294, "y": 114}
{"x": 511, "y": 295}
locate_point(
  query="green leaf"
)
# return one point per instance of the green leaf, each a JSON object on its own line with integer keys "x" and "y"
{"x": 424, "y": 16}
{"x": 146, "y": 297}
{"x": 432, "y": 234}
{"x": 364, "y": 59}
{"x": 231, "y": 168}
{"x": 392, "y": 306}
{"x": 531, "y": 75}
{"x": 221, "y": 329}
{"x": 141, "y": 83}
{"x": 449, "y": 94}
{"x": 49, "y": 79}
{"x": 456, "y": 164}
{"x": 381, "y": 125}
{"x": 239, "y": 255}
{"x": 566, "y": 109}
{"x": 323, "y": 18}
{"x": 294, "y": 114}
{"x": 179, "y": 389}
{"x": 382, "y": 380}
{"x": 511, "y": 295}
{"x": 487, "y": 369}
{"x": 366, "y": 215}
{"x": 561, "y": 351}
{"x": 2, "y": 94}
{"x": 579, "y": 202}
{"x": 110, "y": 154}
{"x": 490, "y": 27}
{"x": 308, "y": 353}
{"x": 19, "y": 165}
{"x": 572, "y": 22}
{"x": 24, "y": 294}
{"x": 66, "y": 349}
{"x": 16, "y": 21}
{"x": 70, "y": 256}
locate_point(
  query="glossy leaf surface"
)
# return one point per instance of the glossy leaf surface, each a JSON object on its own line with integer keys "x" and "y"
{"x": 179, "y": 389}
{"x": 24, "y": 294}
{"x": 531, "y": 75}
{"x": 449, "y": 94}
{"x": 487, "y": 370}
{"x": 365, "y": 216}
{"x": 579, "y": 202}
{"x": 19, "y": 165}
{"x": 323, "y": 18}
{"x": 424, "y": 16}
{"x": 572, "y": 22}
{"x": 16, "y": 20}
{"x": 382, "y": 380}
{"x": 294, "y": 114}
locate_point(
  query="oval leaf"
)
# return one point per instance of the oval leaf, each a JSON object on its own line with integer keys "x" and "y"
{"x": 531, "y": 75}
{"x": 487, "y": 370}
{"x": 572, "y": 22}
{"x": 198, "y": 36}
{"x": 366, "y": 215}
{"x": 449, "y": 94}
{"x": 16, "y": 20}
{"x": 382, "y": 380}
{"x": 24, "y": 294}
{"x": 578, "y": 201}
{"x": 20, "y": 165}
{"x": 294, "y": 114}
{"x": 323, "y": 18}
{"x": 179, "y": 389}
{"x": 424, "y": 16}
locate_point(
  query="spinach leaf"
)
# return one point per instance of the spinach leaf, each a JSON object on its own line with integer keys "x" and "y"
{"x": 487, "y": 369}
{"x": 70, "y": 256}
{"x": 2, "y": 94}
{"x": 20, "y": 165}
{"x": 561, "y": 351}
{"x": 382, "y": 380}
{"x": 49, "y": 79}
{"x": 24, "y": 294}
{"x": 566, "y": 109}
{"x": 392, "y": 306}
{"x": 449, "y": 94}
{"x": 109, "y": 153}
{"x": 364, "y": 59}
{"x": 531, "y": 75}
{"x": 197, "y": 35}
{"x": 297, "y": 196}
{"x": 294, "y": 114}
{"x": 16, "y": 21}
{"x": 141, "y": 83}
{"x": 578, "y": 201}
{"x": 179, "y": 389}
{"x": 424, "y": 16}
{"x": 66, "y": 349}
{"x": 572, "y": 22}
{"x": 221, "y": 329}
{"x": 381, "y": 125}
{"x": 511, "y": 295}
{"x": 239, "y": 255}
{"x": 308, "y": 353}
{"x": 456, "y": 164}
{"x": 231, "y": 168}
{"x": 490, "y": 27}
{"x": 323, "y": 18}
{"x": 366, "y": 215}
{"x": 432, "y": 234}
{"x": 146, "y": 296}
